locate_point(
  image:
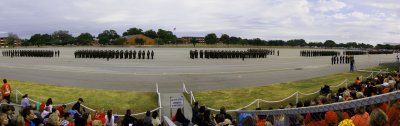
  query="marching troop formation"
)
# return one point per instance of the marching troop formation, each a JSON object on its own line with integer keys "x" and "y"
{"x": 31, "y": 53}
{"x": 115, "y": 54}
{"x": 313, "y": 53}
{"x": 231, "y": 54}
{"x": 342, "y": 59}
{"x": 354, "y": 53}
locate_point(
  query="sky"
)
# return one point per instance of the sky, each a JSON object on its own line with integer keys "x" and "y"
{"x": 367, "y": 21}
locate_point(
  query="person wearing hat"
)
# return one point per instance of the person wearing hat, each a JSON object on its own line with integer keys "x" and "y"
{"x": 77, "y": 107}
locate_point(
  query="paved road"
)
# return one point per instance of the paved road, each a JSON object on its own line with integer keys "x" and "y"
{"x": 171, "y": 67}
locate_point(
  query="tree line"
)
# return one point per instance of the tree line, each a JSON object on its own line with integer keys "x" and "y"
{"x": 111, "y": 37}
{"x": 107, "y": 37}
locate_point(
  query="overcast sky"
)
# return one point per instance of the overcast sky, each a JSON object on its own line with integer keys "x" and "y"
{"x": 368, "y": 21}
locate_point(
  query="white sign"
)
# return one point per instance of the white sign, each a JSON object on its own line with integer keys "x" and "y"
{"x": 176, "y": 102}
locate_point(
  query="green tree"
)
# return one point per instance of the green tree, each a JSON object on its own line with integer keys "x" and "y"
{"x": 297, "y": 42}
{"x": 211, "y": 38}
{"x": 85, "y": 39}
{"x": 12, "y": 39}
{"x": 193, "y": 41}
{"x": 276, "y": 42}
{"x": 133, "y": 31}
{"x": 38, "y": 39}
{"x": 150, "y": 33}
{"x": 165, "y": 36}
{"x": 225, "y": 39}
{"x": 61, "y": 37}
{"x": 108, "y": 37}
{"x": 120, "y": 41}
{"x": 235, "y": 40}
{"x": 329, "y": 43}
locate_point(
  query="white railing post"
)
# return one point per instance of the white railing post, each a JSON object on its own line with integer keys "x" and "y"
{"x": 16, "y": 97}
{"x": 157, "y": 87}
{"x": 183, "y": 87}
{"x": 297, "y": 97}
{"x": 258, "y": 103}
{"x": 191, "y": 97}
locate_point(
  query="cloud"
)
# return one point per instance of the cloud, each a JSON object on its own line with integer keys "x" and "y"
{"x": 329, "y": 5}
{"x": 344, "y": 20}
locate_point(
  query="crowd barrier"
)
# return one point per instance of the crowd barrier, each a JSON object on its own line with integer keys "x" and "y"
{"x": 285, "y": 114}
{"x": 17, "y": 93}
{"x": 296, "y": 94}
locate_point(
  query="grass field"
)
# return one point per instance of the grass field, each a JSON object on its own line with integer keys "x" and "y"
{"x": 235, "y": 98}
{"x": 97, "y": 99}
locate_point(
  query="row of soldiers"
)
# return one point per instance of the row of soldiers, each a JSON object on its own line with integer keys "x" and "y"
{"x": 342, "y": 59}
{"x": 380, "y": 52}
{"x": 31, "y": 53}
{"x": 354, "y": 52}
{"x": 312, "y": 53}
{"x": 231, "y": 54}
{"x": 114, "y": 54}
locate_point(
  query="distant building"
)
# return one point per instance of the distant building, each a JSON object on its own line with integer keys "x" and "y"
{"x": 186, "y": 40}
{"x": 3, "y": 41}
{"x": 131, "y": 39}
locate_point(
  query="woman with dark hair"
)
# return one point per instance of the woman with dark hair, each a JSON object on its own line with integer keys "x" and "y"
{"x": 208, "y": 120}
{"x": 109, "y": 119}
{"x": 49, "y": 103}
{"x": 155, "y": 120}
{"x": 181, "y": 118}
{"x": 128, "y": 119}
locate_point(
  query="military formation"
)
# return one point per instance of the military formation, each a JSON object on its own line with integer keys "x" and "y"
{"x": 231, "y": 54}
{"x": 313, "y": 53}
{"x": 31, "y": 53}
{"x": 354, "y": 52}
{"x": 380, "y": 52}
{"x": 115, "y": 54}
{"x": 342, "y": 59}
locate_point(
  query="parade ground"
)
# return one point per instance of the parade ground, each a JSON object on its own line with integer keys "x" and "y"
{"x": 171, "y": 67}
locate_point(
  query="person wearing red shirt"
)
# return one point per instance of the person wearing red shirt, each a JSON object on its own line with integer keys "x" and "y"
{"x": 6, "y": 91}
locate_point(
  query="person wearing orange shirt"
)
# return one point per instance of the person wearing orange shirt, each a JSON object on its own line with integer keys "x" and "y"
{"x": 6, "y": 91}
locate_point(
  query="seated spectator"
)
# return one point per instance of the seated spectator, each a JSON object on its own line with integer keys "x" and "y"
{"x": 49, "y": 104}
{"x": 248, "y": 121}
{"x": 54, "y": 120}
{"x": 88, "y": 118}
{"x": 97, "y": 123}
{"x": 28, "y": 115}
{"x": 3, "y": 119}
{"x": 223, "y": 112}
{"x": 68, "y": 119}
{"x": 18, "y": 120}
{"x": 45, "y": 112}
{"x": 80, "y": 121}
{"x": 147, "y": 119}
{"x": 393, "y": 113}
{"x": 242, "y": 117}
{"x": 261, "y": 119}
{"x": 378, "y": 118}
{"x": 128, "y": 119}
{"x": 61, "y": 109}
{"x": 331, "y": 118}
{"x": 195, "y": 112}
{"x": 361, "y": 117}
{"x": 25, "y": 101}
{"x": 179, "y": 117}
{"x": 155, "y": 120}
{"x": 109, "y": 119}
